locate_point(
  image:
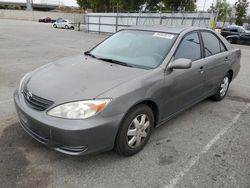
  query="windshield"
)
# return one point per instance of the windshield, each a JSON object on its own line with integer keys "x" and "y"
{"x": 246, "y": 31}
{"x": 242, "y": 30}
{"x": 143, "y": 49}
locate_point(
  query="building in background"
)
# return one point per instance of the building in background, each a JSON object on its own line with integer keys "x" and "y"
{"x": 41, "y": 5}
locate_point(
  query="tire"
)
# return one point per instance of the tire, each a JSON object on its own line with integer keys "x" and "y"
{"x": 72, "y": 28}
{"x": 223, "y": 88}
{"x": 54, "y": 25}
{"x": 134, "y": 133}
{"x": 66, "y": 27}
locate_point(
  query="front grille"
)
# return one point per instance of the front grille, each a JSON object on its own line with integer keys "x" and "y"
{"x": 36, "y": 102}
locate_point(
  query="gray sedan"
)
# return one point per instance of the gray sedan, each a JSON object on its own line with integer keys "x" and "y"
{"x": 114, "y": 95}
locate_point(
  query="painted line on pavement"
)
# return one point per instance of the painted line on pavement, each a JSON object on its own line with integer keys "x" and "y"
{"x": 194, "y": 160}
{"x": 6, "y": 101}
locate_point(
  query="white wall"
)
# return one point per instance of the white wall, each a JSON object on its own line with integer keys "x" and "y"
{"x": 35, "y": 15}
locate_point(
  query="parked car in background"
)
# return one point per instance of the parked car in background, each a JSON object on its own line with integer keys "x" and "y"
{"x": 236, "y": 34}
{"x": 114, "y": 95}
{"x": 46, "y": 20}
{"x": 63, "y": 23}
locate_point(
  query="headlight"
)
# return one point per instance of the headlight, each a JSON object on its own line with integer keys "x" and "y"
{"x": 20, "y": 87}
{"x": 79, "y": 109}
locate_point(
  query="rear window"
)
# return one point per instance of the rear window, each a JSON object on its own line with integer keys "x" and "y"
{"x": 212, "y": 45}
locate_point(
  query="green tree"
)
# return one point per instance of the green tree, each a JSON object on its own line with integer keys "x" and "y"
{"x": 185, "y": 5}
{"x": 241, "y": 10}
{"x": 83, "y": 4}
{"x": 116, "y": 5}
{"x": 134, "y": 5}
{"x": 96, "y": 5}
{"x": 225, "y": 10}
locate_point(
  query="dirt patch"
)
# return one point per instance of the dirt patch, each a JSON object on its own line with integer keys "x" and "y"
{"x": 238, "y": 99}
{"x": 12, "y": 159}
{"x": 167, "y": 154}
{"x": 166, "y": 160}
{"x": 35, "y": 177}
{"x": 16, "y": 169}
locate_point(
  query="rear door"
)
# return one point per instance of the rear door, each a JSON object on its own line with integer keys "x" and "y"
{"x": 216, "y": 60}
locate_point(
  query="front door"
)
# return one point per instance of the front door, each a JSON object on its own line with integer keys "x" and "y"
{"x": 184, "y": 87}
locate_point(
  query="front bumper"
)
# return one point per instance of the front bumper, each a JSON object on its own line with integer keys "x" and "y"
{"x": 74, "y": 137}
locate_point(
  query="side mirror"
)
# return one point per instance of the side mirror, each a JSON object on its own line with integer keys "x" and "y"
{"x": 181, "y": 63}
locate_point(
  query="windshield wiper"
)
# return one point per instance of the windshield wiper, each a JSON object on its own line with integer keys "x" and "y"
{"x": 89, "y": 54}
{"x": 108, "y": 59}
{"x": 115, "y": 62}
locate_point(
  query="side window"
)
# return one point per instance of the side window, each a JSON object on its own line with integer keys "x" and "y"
{"x": 234, "y": 30}
{"x": 189, "y": 48}
{"x": 211, "y": 44}
{"x": 222, "y": 47}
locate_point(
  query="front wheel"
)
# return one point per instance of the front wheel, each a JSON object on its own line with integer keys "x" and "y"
{"x": 54, "y": 25}
{"x": 66, "y": 27}
{"x": 135, "y": 131}
{"x": 222, "y": 91}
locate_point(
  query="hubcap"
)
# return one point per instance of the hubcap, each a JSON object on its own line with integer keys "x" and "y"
{"x": 224, "y": 86}
{"x": 138, "y": 130}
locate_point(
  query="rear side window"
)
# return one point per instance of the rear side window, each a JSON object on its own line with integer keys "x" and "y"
{"x": 234, "y": 30}
{"x": 212, "y": 45}
{"x": 222, "y": 47}
{"x": 189, "y": 48}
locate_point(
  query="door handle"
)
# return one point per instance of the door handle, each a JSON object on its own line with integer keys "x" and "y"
{"x": 201, "y": 70}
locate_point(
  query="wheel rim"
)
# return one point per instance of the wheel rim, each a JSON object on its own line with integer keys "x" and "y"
{"x": 138, "y": 130}
{"x": 224, "y": 86}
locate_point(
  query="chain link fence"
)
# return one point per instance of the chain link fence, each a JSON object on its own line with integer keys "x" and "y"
{"x": 112, "y": 22}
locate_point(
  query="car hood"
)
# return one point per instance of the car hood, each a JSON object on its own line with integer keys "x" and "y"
{"x": 77, "y": 78}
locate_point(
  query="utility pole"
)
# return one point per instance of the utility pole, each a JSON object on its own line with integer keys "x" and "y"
{"x": 204, "y": 5}
{"x": 29, "y": 5}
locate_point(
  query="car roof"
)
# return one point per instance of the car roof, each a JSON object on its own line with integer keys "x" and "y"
{"x": 162, "y": 28}
{"x": 234, "y": 27}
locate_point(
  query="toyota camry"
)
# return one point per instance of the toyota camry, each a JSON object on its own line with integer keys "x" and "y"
{"x": 115, "y": 94}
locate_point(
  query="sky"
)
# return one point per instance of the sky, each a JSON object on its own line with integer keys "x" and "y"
{"x": 200, "y": 3}
{"x": 208, "y": 3}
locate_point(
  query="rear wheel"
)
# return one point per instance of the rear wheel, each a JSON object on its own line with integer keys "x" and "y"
{"x": 222, "y": 91}
{"x": 66, "y": 27}
{"x": 135, "y": 131}
{"x": 54, "y": 25}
